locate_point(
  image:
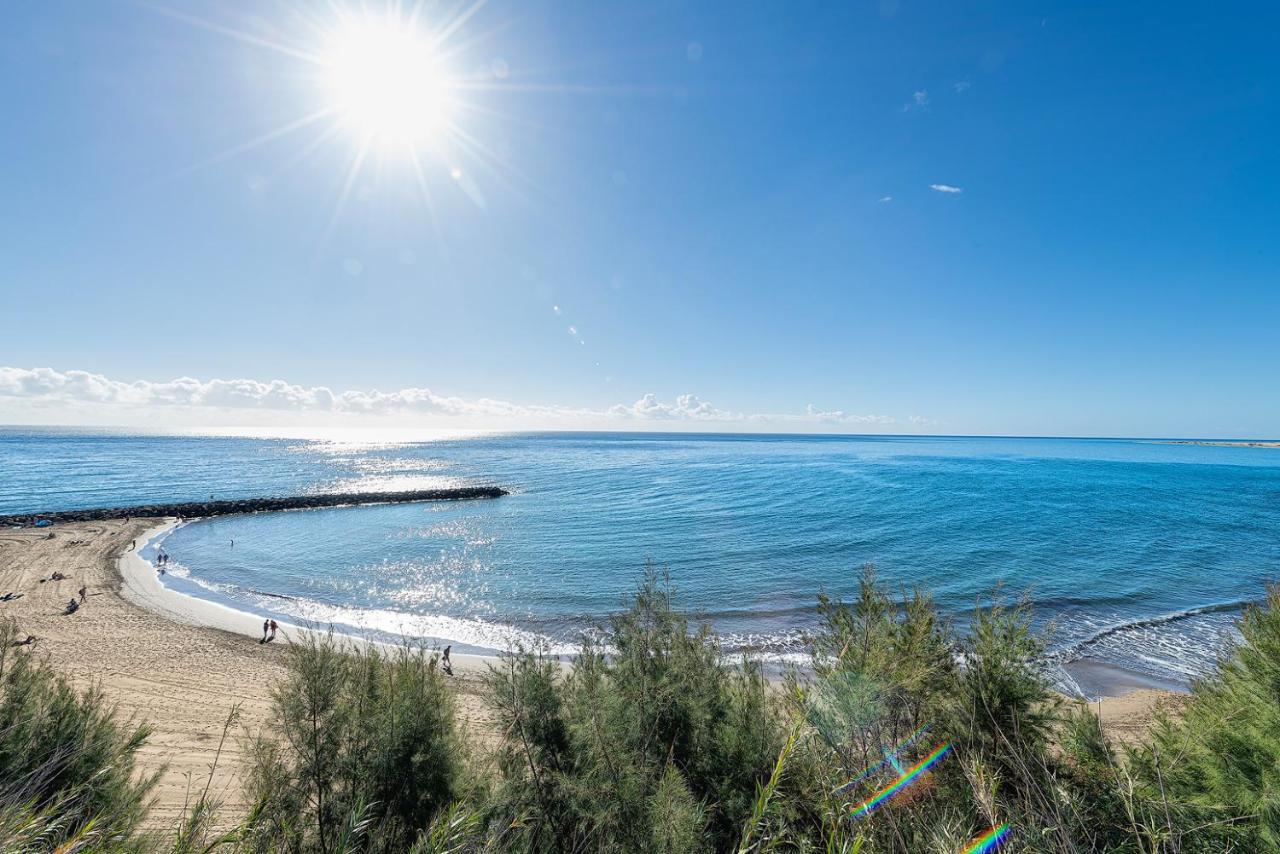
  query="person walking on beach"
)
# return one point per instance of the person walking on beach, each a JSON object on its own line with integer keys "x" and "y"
{"x": 273, "y": 630}
{"x": 266, "y": 627}
{"x": 444, "y": 660}
{"x": 84, "y": 591}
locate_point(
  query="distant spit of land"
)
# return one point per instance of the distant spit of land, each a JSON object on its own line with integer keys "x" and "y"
{"x": 1221, "y": 444}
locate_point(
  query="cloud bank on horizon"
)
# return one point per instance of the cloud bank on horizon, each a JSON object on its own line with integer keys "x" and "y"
{"x": 45, "y": 395}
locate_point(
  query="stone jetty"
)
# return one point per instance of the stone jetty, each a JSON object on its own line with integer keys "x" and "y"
{"x": 196, "y": 509}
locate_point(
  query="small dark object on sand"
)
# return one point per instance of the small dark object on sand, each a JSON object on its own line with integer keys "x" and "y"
{"x": 28, "y": 642}
{"x": 10, "y": 596}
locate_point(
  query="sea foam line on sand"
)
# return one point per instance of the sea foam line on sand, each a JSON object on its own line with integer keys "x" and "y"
{"x": 141, "y": 585}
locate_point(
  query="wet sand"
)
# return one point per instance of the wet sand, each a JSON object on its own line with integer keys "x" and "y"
{"x": 182, "y": 664}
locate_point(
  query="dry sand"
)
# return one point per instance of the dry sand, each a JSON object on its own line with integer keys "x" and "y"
{"x": 182, "y": 679}
{"x": 157, "y": 657}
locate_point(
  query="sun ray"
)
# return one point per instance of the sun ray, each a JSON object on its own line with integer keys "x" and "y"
{"x": 474, "y": 41}
{"x": 284, "y": 130}
{"x": 492, "y": 161}
{"x": 390, "y": 76}
{"x": 306, "y": 151}
{"x": 353, "y": 172}
{"x": 238, "y": 35}
{"x": 430, "y": 203}
{"x": 563, "y": 88}
{"x": 453, "y": 26}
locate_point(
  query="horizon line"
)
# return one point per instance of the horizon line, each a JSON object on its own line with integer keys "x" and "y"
{"x": 186, "y": 431}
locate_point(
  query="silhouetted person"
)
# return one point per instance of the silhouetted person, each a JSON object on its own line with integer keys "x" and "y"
{"x": 444, "y": 660}
{"x": 84, "y": 591}
{"x": 72, "y": 607}
{"x": 273, "y": 630}
{"x": 266, "y": 627}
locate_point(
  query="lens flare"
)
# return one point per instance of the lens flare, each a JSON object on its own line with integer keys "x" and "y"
{"x": 908, "y": 777}
{"x": 890, "y": 758}
{"x": 989, "y": 841}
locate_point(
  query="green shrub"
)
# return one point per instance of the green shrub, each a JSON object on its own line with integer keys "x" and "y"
{"x": 67, "y": 764}
{"x": 1210, "y": 778}
{"x": 652, "y": 740}
{"x": 361, "y": 751}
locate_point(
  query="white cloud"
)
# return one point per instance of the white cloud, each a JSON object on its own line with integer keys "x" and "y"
{"x": 838, "y": 416}
{"x": 88, "y": 398}
{"x": 886, "y": 198}
{"x": 945, "y": 188}
{"x": 919, "y": 101}
{"x": 961, "y": 85}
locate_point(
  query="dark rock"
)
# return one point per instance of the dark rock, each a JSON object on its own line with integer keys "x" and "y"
{"x": 195, "y": 509}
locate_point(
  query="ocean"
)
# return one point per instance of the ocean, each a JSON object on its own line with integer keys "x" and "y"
{"x": 1133, "y": 553}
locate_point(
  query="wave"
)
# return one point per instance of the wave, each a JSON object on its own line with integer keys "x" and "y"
{"x": 1078, "y": 649}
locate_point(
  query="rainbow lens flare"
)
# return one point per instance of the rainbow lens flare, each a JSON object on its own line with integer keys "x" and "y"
{"x": 890, "y": 758}
{"x": 908, "y": 777}
{"x": 988, "y": 841}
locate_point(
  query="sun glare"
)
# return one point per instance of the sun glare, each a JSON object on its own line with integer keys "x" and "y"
{"x": 400, "y": 79}
{"x": 387, "y": 82}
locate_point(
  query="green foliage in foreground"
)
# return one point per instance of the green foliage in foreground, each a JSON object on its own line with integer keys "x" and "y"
{"x": 361, "y": 753}
{"x": 657, "y": 746}
{"x": 655, "y": 742}
{"x": 67, "y": 776}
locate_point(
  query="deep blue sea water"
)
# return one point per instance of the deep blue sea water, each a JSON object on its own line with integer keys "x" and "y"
{"x": 1136, "y": 552}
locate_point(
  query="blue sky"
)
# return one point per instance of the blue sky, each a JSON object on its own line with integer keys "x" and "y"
{"x": 730, "y": 202}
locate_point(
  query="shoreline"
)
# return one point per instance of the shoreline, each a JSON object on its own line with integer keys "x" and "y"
{"x": 182, "y": 664}
{"x": 1096, "y": 679}
{"x": 141, "y": 586}
{"x": 161, "y": 666}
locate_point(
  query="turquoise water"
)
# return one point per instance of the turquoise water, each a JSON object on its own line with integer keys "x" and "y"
{"x": 1138, "y": 553}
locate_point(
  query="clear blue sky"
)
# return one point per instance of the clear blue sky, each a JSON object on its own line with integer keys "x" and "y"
{"x": 699, "y": 189}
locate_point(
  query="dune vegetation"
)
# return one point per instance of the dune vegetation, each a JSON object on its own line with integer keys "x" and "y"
{"x": 903, "y": 735}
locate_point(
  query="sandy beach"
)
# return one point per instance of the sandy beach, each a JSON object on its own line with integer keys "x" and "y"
{"x": 146, "y": 648}
{"x": 182, "y": 664}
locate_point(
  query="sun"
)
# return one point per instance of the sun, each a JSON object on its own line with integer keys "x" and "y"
{"x": 393, "y": 90}
{"x": 386, "y": 81}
